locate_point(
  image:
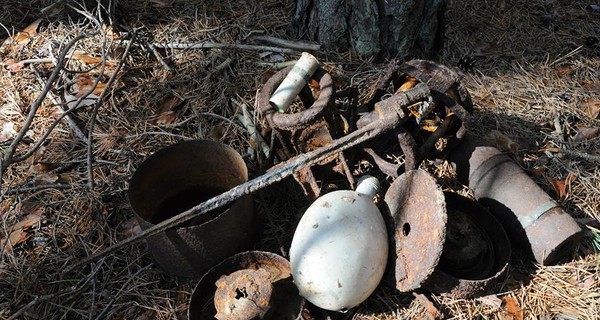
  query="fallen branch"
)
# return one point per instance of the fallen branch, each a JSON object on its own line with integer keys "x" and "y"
{"x": 298, "y": 45}
{"x": 150, "y": 47}
{"x": 213, "y": 45}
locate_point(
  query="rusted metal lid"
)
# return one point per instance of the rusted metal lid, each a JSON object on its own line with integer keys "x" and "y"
{"x": 416, "y": 203}
{"x": 248, "y": 285}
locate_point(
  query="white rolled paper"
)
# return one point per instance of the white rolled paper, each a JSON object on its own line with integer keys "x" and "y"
{"x": 294, "y": 82}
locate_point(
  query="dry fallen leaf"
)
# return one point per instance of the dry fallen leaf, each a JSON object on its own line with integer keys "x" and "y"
{"x": 588, "y": 283}
{"x": 591, "y": 107}
{"x": 491, "y": 300}
{"x": 587, "y": 134}
{"x": 45, "y": 178}
{"x": 29, "y": 32}
{"x": 562, "y": 187}
{"x": 87, "y": 59}
{"x": 166, "y": 112}
{"x": 13, "y": 66}
{"x": 18, "y": 234}
{"x": 410, "y": 83}
{"x": 565, "y": 70}
{"x": 217, "y": 132}
{"x": 593, "y": 86}
{"x": 501, "y": 141}
{"x": 512, "y": 308}
{"x": 8, "y": 131}
{"x": 85, "y": 84}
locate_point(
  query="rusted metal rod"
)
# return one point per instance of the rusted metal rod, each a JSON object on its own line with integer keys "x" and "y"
{"x": 391, "y": 115}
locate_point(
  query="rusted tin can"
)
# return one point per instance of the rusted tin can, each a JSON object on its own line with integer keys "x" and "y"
{"x": 442, "y": 241}
{"x": 248, "y": 285}
{"x": 533, "y": 220}
{"x": 179, "y": 177}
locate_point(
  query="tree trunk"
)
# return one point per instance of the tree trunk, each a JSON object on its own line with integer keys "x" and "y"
{"x": 380, "y": 28}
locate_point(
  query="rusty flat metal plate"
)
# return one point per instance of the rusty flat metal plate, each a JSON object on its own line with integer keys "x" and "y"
{"x": 416, "y": 203}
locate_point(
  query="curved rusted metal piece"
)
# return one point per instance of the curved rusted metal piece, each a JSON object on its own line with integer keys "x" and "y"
{"x": 248, "y": 285}
{"x": 314, "y": 110}
{"x": 416, "y": 204}
{"x": 175, "y": 179}
{"x": 534, "y": 221}
{"x": 476, "y": 251}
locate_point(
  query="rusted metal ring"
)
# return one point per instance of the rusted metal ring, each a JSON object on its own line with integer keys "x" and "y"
{"x": 291, "y": 121}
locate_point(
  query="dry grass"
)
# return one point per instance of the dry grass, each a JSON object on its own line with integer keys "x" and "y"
{"x": 532, "y": 70}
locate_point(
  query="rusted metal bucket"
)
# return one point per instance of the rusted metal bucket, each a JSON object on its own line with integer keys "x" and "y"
{"x": 443, "y": 242}
{"x": 248, "y": 285}
{"x": 533, "y": 220}
{"x": 179, "y": 177}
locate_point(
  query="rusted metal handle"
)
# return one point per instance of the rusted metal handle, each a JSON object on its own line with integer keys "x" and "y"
{"x": 390, "y": 116}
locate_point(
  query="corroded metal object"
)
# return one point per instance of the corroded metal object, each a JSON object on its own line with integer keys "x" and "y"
{"x": 179, "y": 177}
{"x": 476, "y": 250}
{"x": 451, "y": 106}
{"x": 314, "y": 127}
{"x": 416, "y": 203}
{"x": 442, "y": 241}
{"x": 533, "y": 220}
{"x": 248, "y": 285}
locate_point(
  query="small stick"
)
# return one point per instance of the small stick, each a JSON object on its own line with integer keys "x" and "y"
{"x": 157, "y": 55}
{"x": 298, "y": 45}
{"x": 39, "y": 187}
{"x": 213, "y": 45}
{"x": 90, "y": 153}
{"x": 389, "y": 121}
{"x": 582, "y": 155}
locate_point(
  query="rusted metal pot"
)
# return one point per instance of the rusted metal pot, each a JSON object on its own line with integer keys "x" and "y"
{"x": 179, "y": 177}
{"x": 248, "y": 285}
{"x": 441, "y": 241}
{"x": 533, "y": 220}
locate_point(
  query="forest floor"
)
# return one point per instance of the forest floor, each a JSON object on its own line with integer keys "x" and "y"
{"x": 531, "y": 67}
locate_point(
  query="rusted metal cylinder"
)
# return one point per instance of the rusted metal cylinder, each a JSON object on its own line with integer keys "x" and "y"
{"x": 179, "y": 177}
{"x": 532, "y": 219}
{"x": 248, "y": 285}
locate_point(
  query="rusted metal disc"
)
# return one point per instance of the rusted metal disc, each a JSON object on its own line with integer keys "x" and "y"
{"x": 248, "y": 285}
{"x": 416, "y": 203}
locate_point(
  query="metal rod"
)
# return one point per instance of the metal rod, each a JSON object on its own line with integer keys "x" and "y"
{"x": 389, "y": 119}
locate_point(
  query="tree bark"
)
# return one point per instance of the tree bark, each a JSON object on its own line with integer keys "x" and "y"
{"x": 380, "y": 28}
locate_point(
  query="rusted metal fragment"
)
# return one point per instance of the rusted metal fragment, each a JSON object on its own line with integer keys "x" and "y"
{"x": 244, "y": 294}
{"x": 309, "y": 129}
{"x": 532, "y": 218}
{"x": 451, "y": 103}
{"x": 248, "y": 285}
{"x": 476, "y": 250}
{"x": 416, "y": 203}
